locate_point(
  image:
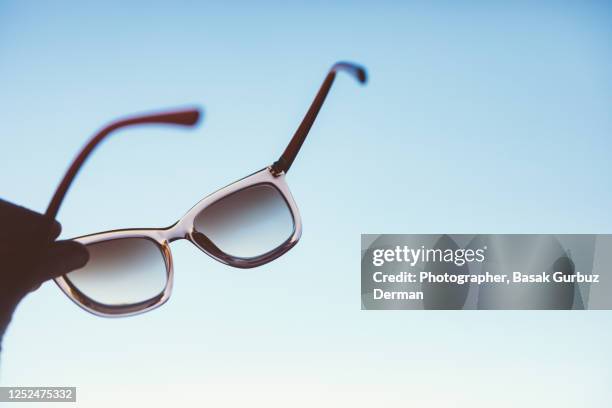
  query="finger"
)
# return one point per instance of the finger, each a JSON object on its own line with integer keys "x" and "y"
{"x": 61, "y": 258}
{"x": 19, "y": 225}
{"x": 56, "y": 229}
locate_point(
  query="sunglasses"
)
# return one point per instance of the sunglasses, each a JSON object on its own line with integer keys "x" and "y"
{"x": 245, "y": 224}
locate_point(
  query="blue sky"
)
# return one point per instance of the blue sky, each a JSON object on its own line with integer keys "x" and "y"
{"x": 478, "y": 117}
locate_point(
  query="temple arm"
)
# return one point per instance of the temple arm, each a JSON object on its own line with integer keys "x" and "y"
{"x": 283, "y": 164}
{"x": 187, "y": 117}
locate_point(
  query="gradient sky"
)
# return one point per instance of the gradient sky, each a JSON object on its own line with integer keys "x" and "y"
{"x": 479, "y": 117}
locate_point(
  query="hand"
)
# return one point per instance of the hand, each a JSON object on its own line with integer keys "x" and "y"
{"x": 29, "y": 256}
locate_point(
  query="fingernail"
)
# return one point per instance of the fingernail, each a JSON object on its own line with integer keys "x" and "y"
{"x": 76, "y": 255}
{"x": 81, "y": 256}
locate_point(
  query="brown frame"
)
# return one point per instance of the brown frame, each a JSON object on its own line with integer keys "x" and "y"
{"x": 273, "y": 175}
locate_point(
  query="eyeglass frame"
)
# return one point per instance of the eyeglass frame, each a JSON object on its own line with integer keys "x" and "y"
{"x": 273, "y": 175}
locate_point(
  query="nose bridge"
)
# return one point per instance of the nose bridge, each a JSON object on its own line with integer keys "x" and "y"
{"x": 177, "y": 231}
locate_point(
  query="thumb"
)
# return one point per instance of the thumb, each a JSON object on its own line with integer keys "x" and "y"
{"x": 60, "y": 258}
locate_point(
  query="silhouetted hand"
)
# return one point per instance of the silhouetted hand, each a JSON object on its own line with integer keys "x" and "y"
{"x": 28, "y": 257}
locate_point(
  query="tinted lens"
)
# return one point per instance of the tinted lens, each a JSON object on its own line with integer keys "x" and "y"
{"x": 122, "y": 272}
{"x": 247, "y": 223}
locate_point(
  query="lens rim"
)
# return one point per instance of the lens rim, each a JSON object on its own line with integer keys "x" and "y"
{"x": 104, "y": 310}
{"x": 209, "y": 247}
{"x": 186, "y": 226}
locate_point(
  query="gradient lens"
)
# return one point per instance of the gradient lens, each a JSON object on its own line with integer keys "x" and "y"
{"x": 122, "y": 272}
{"x": 248, "y": 223}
